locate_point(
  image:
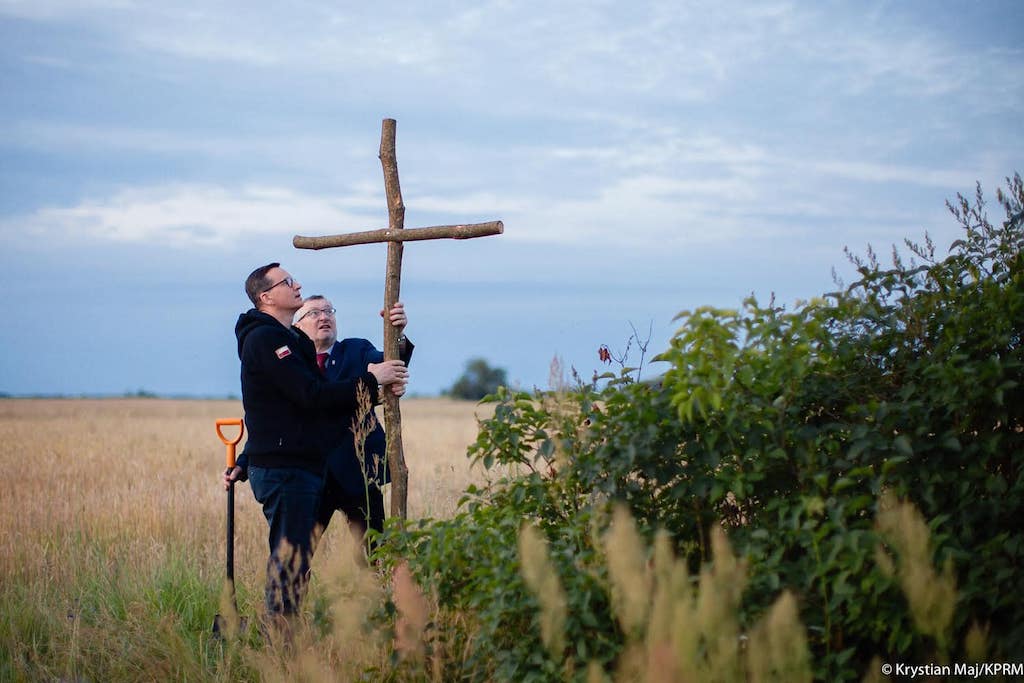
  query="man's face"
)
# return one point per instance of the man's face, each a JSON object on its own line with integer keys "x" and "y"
{"x": 283, "y": 292}
{"x": 316, "y": 319}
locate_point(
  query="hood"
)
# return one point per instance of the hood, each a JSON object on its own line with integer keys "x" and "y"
{"x": 249, "y": 321}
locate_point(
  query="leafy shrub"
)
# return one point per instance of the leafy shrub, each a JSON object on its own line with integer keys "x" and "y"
{"x": 786, "y": 429}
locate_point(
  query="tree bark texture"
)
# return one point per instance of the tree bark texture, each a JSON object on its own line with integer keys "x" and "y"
{"x": 392, "y": 292}
{"x": 456, "y": 232}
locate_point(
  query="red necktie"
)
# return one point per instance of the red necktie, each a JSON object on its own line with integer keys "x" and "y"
{"x": 321, "y": 360}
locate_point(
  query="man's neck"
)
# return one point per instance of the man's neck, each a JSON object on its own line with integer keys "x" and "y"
{"x": 324, "y": 346}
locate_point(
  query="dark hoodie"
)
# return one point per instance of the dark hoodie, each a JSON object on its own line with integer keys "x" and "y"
{"x": 287, "y": 402}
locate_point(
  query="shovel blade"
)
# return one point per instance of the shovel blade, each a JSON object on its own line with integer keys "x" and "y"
{"x": 227, "y": 622}
{"x": 229, "y": 626}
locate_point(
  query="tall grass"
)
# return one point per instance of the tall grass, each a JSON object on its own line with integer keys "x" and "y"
{"x": 678, "y": 629}
{"x": 113, "y": 522}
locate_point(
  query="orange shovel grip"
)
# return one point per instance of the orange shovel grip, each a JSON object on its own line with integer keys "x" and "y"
{"x": 230, "y": 443}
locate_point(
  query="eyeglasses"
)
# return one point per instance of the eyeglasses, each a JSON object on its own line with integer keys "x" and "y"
{"x": 288, "y": 282}
{"x": 316, "y": 313}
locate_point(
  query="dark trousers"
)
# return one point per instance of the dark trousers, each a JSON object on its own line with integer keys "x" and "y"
{"x": 290, "y": 497}
{"x": 364, "y": 510}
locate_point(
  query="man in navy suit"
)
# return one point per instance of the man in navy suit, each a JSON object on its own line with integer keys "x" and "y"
{"x": 356, "y": 473}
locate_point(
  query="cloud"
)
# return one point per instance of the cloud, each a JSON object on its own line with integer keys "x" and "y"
{"x": 620, "y": 125}
{"x": 642, "y": 211}
{"x": 639, "y": 210}
{"x": 61, "y": 10}
{"x": 894, "y": 56}
{"x": 191, "y": 216}
{"x": 476, "y": 204}
{"x": 666, "y": 50}
{"x": 659, "y": 194}
{"x": 894, "y": 173}
{"x": 302, "y": 149}
{"x": 560, "y": 62}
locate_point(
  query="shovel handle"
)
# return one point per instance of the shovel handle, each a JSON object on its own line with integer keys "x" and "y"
{"x": 230, "y": 443}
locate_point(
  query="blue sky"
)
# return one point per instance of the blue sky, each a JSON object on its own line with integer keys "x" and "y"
{"x": 645, "y": 157}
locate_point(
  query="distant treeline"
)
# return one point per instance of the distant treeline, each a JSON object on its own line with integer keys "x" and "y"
{"x": 140, "y": 393}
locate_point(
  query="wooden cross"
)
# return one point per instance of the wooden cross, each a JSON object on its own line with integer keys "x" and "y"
{"x": 395, "y": 235}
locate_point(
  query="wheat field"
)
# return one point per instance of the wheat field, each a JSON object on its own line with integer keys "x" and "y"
{"x": 110, "y": 498}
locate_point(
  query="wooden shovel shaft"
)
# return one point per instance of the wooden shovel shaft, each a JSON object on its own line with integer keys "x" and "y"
{"x": 230, "y": 564}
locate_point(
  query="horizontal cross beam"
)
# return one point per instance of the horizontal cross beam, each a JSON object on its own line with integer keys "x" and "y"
{"x": 456, "y": 232}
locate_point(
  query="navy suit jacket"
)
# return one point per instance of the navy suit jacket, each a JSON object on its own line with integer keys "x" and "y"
{"x": 348, "y": 359}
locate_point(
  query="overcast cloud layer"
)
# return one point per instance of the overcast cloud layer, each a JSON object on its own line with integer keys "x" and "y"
{"x": 645, "y": 158}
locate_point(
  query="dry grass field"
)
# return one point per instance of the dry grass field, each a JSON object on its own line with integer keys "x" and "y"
{"x": 98, "y": 495}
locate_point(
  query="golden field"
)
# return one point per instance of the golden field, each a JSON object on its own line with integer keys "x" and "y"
{"x": 144, "y": 474}
{"x": 113, "y": 516}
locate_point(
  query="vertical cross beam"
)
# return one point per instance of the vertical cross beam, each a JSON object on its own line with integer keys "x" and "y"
{"x": 395, "y": 235}
{"x": 392, "y": 290}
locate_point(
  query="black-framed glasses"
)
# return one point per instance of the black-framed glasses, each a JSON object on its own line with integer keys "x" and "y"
{"x": 289, "y": 281}
{"x": 316, "y": 313}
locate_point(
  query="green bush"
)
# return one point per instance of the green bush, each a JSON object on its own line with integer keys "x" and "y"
{"x": 786, "y": 428}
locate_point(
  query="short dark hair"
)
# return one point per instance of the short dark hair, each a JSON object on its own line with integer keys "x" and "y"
{"x": 257, "y": 283}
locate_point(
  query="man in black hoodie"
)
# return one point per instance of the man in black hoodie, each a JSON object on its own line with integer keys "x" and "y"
{"x": 286, "y": 401}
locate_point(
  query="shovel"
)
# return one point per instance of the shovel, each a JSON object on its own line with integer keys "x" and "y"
{"x": 229, "y": 623}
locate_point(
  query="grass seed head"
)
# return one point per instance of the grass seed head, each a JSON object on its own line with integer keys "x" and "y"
{"x": 541, "y": 577}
